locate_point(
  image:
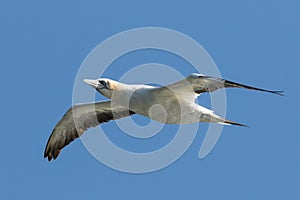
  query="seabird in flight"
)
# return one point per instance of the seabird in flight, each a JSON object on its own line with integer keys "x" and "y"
{"x": 170, "y": 104}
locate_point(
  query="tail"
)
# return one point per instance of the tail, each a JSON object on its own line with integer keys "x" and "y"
{"x": 228, "y": 122}
{"x": 209, "y": 116}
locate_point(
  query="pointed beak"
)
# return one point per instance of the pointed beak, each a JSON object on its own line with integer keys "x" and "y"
{"x": 93, "y": 83}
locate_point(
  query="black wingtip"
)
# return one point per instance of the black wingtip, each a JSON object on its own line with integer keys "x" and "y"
{"x": 280, "y": 93}
{"x": 52, "y": 155}
{"x": 48, "y": 156}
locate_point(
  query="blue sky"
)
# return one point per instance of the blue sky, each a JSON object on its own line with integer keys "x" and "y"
{"x": 257, "y": 42}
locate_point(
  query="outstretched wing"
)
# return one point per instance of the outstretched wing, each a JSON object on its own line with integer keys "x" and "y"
{"x": 201, "y": 84}
{"x": 195, "y": 84}
{"x": 85, "y": 116}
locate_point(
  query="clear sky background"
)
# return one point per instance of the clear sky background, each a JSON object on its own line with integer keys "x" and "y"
{"x": 43, "y": 44}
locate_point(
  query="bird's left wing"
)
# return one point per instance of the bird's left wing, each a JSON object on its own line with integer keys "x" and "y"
{"x": 86, "y": 116}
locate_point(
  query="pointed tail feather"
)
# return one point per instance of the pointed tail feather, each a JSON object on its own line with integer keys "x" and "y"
{"x": 228, "y": 122}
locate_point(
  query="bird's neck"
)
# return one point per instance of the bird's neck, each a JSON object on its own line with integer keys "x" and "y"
{"x": 124, "y": 93}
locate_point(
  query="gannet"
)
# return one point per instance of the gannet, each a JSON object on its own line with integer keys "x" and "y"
{"x": 170, "y": 104}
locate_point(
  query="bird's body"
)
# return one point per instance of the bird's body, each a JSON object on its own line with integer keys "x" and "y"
{"x": 161, "y": 104}
{"x": 171, "y": 104}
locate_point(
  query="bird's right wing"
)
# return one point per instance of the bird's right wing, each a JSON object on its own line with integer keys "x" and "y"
{"x": 196, "y": 84}
{"x": 202, "y": 84}
{"x": 86, "y": 116}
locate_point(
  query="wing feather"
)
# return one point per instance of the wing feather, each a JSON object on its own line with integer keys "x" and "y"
{"x": 203, "y": 84}
{"x": 196, "y": 84}
{"x": 86, "y": 116}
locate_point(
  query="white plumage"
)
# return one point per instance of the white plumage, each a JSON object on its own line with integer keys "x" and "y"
{"x": 170, "y": 104}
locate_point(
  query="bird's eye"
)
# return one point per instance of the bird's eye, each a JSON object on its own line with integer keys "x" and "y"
{"x": 102, "y": 83}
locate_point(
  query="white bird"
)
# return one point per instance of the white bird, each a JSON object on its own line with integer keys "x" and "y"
{"x": 171, "y": 104}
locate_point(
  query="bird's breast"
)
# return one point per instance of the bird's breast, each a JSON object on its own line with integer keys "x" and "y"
{"x": 168, "y": 110}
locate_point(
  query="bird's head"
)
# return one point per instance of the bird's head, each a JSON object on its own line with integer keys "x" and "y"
{"x": 103, "y": 85}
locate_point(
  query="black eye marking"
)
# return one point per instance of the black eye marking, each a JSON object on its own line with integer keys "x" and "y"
{"x": 102, "y": 82}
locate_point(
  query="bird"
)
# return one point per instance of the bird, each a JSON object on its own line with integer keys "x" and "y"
{"x": 170, "y": 104}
